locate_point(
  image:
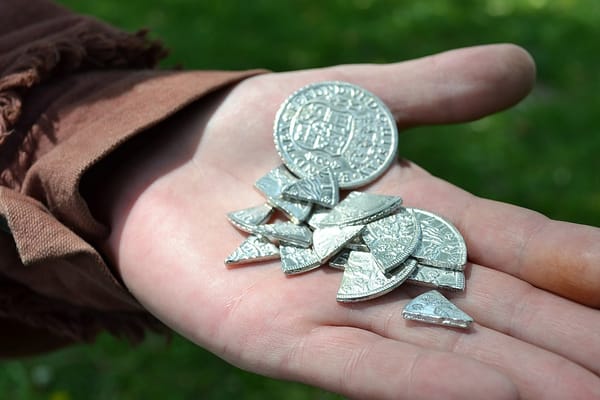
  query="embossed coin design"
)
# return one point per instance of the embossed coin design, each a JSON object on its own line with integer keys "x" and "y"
{"x": 336, "y": 125}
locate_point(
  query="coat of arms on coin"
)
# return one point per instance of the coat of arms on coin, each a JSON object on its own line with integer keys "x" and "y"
{"x": 336, "y": 125}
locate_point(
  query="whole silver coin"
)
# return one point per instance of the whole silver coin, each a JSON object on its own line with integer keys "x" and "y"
{"x": 336, "y": 125}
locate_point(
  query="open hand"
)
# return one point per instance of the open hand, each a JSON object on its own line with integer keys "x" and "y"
{"x": 533, "y": 283}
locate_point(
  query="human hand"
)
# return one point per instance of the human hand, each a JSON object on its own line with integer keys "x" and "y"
{"x": 170, "y": 237}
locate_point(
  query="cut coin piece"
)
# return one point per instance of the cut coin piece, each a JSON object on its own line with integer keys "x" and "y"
{"x": 321, "y": 189}
{"x": 272, "y": 184}
{"x": 441, "y": 278}
{"x": 340, "y": 260}
{"x": 361, "y": 208}
{"x": 295, "y": 260}
{"x": 286, "y": 232}
{"x": 357, "y": 244}
{"x": 441, "y": 244}
{"x": 364, "y": 280}
{"x": 253, "y": 249}
{"x": 339, "y": 125}
{"x": 249, "y": 217}
{"x": 317, "y": 216}
{"x": 432, "y": 307}
{"x": 328, "y": 241}
{"x": 392, "y": 239}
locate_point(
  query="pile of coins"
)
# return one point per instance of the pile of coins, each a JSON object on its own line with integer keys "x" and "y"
{"x": 332, "y": 136}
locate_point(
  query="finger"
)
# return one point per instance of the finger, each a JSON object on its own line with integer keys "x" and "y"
{"x": 558, "y": 256}
{"x": 457, "y": 85}
{"x": 360, "y": 364}
{"x": 509, "y": 305}
{"x": 532, "y": 369}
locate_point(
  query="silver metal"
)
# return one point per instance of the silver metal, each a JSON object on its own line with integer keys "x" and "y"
{"x": 364, "y": 280}
{"x": 295, "y": 260}
{"x": 361, "y": 208}
{"x": 441, "y": 245}
{"x": 248, "y": 218}
{"x": 339, "y": 125}
{"x": 272, "y": 184}
{"x": 317, "y": 216}
{"x": 328, "y": 241}
{"x": 253, "y": 249}
{"x": 340, "y": 260}
{"x": 285, "y": 232}
{"x": 432, "y": 307}
{"x": 357, "y": 244}
{"x": 392, "y": 239}
{"x": 321, "y": 189}
{"x": 440, "y": 278}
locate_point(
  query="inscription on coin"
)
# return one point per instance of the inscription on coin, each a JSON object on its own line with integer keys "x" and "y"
{"x": 336, "y": 125}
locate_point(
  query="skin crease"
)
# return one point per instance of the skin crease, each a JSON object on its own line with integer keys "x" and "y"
{"x": 170, "y": 236}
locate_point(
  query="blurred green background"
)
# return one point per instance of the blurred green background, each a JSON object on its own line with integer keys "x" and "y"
{"x": 542, "y": 154}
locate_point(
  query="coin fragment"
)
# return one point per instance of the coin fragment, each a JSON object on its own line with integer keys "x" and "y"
{"x": 392, "y": 239}
{"x": 329, "y": 240}
{"x": 357, "y": 244}
{"x": 253, "y": 249}
{"x": 272, "y": 184}
{"x": 321, "y": 189}
{"x": 340, "y": 260}
{"x": 432, "y": 307}
{"x": 286, "y": 232}
{"x": 295, "y": 260}
{"x": 249, "y": 217}
{"x": 441, "y": 244}
{"x": 339, "y": 125}
{"x": 434, "y": 277}
{"x": 361, "y": 208}
{"x": 317, "y": 216}
{"x": 364, "y": 280}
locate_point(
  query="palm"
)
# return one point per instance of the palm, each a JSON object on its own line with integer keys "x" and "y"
{"x": 171, "y": 244}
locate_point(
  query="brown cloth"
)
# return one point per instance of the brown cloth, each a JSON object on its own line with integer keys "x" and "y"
{"x": 72, "y": 91}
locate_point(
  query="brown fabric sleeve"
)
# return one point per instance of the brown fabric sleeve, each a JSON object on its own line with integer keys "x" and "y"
{"x": 72, "y": 91}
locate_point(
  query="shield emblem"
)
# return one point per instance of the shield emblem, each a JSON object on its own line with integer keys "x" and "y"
{"x": 319, "y": 126}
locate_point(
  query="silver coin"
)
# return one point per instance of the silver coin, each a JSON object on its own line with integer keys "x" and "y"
{"x": 321, "y": 189}
{"x": 432, "y": 307}
{"x": 295, "y": 260}
{"x": 340, "y": 260}
{"x": 317, "y": 216}
{"x": 441, "y": 245}
{"x": 364, "y": 280}
{"x": 336, "y": 125}
{"x": 249, "y": 217}
{"x": 272, "y": 184}
{"x": 392, "y": 239}
{"x": 360, "y": 208}
{"x": 253, "y": 249}
{"x": 286, "y": 232}
{"x": 434, "y": 277}
{"x": 329, "y": 240}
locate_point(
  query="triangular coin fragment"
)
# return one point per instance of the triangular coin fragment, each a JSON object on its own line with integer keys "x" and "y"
{"x": 248, "y": 218}
{"x": 272, "y": 184}
{"x": 441, "y": 245}
{"x": 361, "y": 208}
{"x": 392, "y": 239}
{"x": 328, "y": 241}
{"x": 295, "y": 260}
{"x": 253, "y": 249}
{"x": 321, "y": 189}
{"x": 364, "y": 280}
{"x": 286, "y": 232}
{"x": 434, "y": 277}
{"x": 433, "y": 308}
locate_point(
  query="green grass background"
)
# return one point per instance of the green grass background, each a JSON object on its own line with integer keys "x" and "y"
{"x": 542, "y": 154}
